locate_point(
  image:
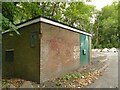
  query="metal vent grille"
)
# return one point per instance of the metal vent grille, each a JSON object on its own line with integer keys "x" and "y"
{"x": 9, "y": 55}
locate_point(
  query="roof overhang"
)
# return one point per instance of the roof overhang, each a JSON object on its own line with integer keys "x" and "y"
{"x": 41, "y": 19}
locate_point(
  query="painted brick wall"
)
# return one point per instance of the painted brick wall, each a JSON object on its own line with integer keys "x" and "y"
{"x": 26, "y": 58}
{"x": 59, "y": 51}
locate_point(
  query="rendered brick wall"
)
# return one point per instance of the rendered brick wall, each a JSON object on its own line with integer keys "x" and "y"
{"x": 59, "y": 51}
{"x": 26, "y": 58}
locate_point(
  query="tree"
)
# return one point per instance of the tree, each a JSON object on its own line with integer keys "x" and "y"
{"x": 75, "y": 14}
{"x": 106, "y": 26}
{"x": 78, "y": 14}
{"x": 16, "y": 12}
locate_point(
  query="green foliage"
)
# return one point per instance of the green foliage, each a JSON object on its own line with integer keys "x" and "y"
{"x": 71, "y": 76}
{"x": 58, "y": 83}
{"x": 6, "y": 24}
{"x": 8, "y": 10}
{"x": 106, "y": 27}
{"x": 75, "y": 14}
{"x": 78, "y": 14}
{"x": 5, "y": 84}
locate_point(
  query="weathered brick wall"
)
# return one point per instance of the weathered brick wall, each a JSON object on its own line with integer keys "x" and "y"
{"x": 59, "y": 51}
{"x": 26, "y": 58}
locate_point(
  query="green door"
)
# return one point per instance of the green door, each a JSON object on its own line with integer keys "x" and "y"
{"x": 84, "y": 49}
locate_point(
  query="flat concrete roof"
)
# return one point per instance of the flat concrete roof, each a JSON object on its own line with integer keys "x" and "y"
{"x": 49, "y": 21}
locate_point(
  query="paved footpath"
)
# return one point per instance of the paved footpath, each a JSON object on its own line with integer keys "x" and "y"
{"x": 110, "y": 75}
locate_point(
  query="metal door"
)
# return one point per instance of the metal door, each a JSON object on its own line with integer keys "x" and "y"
{"x": 84, "y": 49}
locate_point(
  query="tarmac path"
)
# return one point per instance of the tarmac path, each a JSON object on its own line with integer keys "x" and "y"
{"x": 109, "y": 79}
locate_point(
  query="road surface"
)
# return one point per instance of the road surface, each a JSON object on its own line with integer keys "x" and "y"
{"x": 109, "y": 79}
